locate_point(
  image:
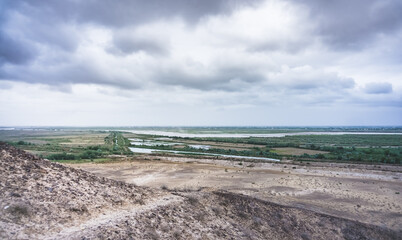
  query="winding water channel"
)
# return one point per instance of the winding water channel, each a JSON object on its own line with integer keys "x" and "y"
{"x": 149, "y": 150}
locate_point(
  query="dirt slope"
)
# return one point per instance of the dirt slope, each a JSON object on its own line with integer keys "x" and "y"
{"x": 37, "y": 196}
{"x": 43, "y": 200}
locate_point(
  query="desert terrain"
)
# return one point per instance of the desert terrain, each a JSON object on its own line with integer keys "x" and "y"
{"x": 91, "y": 184}
{"x": 369, "y": 194}
{"x": 45, "y": 200}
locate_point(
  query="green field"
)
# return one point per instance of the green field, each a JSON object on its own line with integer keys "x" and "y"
{"x": 68, "y": 145}
{"x": 100, "y": 144}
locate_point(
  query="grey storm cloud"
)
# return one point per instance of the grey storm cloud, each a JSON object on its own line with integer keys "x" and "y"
{"x": 325, "y": 81}
{"x": 125, "y": 44}
{"x": 346, "y": 24}
{"x": 306, "y": 79}
{"x": 41, "y": 42}
{"x": 124, "y": 12}
{"x": 49, "y": 21}
{"x": 337, "y": 84}
{"x": 289, "y": 46}
{"x": 227, "y": 79}
{"x": 256, "y": 59}
{"x": 72, "y": 73}
{"x": 14, "y": 51}
{"x": 378, "y": 88}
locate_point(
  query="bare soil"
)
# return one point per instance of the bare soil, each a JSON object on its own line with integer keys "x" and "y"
{"x": 367, "y": 193}
{"x": 44, "y": 200}
{"x": 85, "y": 140}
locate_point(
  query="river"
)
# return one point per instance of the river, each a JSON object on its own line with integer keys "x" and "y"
{"x": 149, "y": 150}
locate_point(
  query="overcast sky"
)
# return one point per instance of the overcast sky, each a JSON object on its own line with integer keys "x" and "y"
{"x": 200, "y": 62}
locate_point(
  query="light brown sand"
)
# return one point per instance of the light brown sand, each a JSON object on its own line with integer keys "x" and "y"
{"x": 341, "y": 190}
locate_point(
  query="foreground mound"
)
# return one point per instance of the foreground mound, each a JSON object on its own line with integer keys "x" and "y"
{"x": 38, "y": 196}
{"x": 40, "y": 199}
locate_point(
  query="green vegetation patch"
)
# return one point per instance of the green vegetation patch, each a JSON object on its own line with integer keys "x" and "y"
{"x": 87, "y": 145}
{"x": 51, "y": 145}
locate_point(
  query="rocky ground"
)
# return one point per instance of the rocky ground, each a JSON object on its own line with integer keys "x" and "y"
{"x": 44, "y": 200}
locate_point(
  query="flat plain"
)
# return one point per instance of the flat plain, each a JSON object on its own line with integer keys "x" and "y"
{"x": 357, "y": 177}
{"x": 368, "y": 194}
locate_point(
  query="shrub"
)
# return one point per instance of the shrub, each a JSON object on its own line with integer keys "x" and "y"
{"x": 176, "y": 235}
{"x": 320, "y": 156}
{"x": 19, "y": 210}
{"x": 90, "y": 154}
{"x": 192, "y": 200}
{"x": 61, "y": 156}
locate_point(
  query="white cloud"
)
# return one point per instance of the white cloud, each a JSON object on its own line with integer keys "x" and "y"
{"x": 268, "y": 56}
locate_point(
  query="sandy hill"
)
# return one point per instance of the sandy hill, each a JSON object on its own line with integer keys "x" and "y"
{"x": 44, "y": 200}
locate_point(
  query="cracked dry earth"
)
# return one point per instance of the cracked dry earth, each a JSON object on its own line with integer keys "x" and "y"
{"x": 44, "y": 200}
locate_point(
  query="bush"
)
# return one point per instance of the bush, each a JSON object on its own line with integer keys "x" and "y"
{"x": 61, "y": 156}
{"x": 19, "y": 210}
{"x": 192, "y": 200}
{"x": 23, "y": 143}
{"x": 90, "y": 154}
{"x": 320, "y": 156}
